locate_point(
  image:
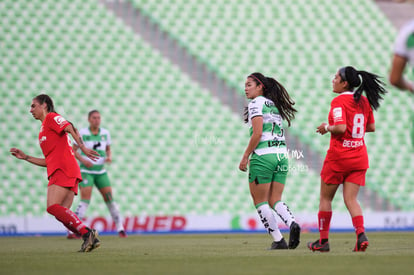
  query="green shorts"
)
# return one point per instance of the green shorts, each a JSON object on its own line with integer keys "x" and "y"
{"x": 268, "y": 168}
{"x": 100, "y": 180}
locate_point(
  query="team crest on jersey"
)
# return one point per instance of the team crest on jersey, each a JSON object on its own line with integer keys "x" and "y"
{"x": 337, "y": 112}
{"x": 59, "y": 120}
{"x": 43, "y": 138}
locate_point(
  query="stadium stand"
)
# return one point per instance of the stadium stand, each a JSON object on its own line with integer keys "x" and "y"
{"x": 186, "y": 164}
{"x": 86, "y": 58}
{"x": 302, "y": 44}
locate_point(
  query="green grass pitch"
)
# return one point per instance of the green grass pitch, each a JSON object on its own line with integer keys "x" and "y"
{"x": 388, "y": 253}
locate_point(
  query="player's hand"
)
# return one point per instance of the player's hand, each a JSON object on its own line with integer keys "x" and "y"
{"x": 108, "y": 159}
{"x": 321, "y": 129}
{"x": 243, "y": 164}
{"x": 87, "y": 163}
{"x": 92, "y": 154}
{"x": 18, "y": 153}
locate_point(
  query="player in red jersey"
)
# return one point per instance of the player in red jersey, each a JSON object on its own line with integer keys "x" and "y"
{"x": 62, "y": 169}
{"x": 346, "y": 161}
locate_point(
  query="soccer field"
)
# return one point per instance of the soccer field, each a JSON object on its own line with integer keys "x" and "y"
{"x": 388, "y": 253}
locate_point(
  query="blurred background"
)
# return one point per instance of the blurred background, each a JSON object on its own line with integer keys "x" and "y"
{"x": 168, "y": 78}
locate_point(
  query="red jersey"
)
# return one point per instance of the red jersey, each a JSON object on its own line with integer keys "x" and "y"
{"x": 56, "y": 146}
{"x": 348, "y": 150}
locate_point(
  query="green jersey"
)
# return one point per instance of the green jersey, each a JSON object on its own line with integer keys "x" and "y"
{"x": 98, "y": 143}
{"x": 272, "y": 140}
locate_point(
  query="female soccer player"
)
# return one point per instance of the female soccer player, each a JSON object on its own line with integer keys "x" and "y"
{"x": 346, "y": 161}
{"x": 270, "y": 104}
{"x": 403, "y": 58}
{"x": 94, "y": 172}
{"x": 62, "y": 169}
{"x": 403, "y": 55}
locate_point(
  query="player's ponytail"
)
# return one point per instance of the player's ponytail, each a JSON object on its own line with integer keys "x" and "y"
{"x": 365, "y": 81}
{"x": 43, "y": 98}
{"x": 275, "y": 91}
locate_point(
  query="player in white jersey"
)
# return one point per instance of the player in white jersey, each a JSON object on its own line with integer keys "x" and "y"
{"x": 403, "y": 55}
{"x": 270, "y": 105}
{"x": 94, "y": 172}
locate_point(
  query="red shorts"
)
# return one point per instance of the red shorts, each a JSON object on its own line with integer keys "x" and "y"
{"x": 330, "y": 176}
{"x": 59, "y": 178}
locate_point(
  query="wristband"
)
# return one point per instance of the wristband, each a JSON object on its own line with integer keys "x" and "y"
{"x": 326, "y": 127}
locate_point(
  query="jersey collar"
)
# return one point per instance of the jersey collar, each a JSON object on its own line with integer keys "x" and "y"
{"x": 347, "y": 93}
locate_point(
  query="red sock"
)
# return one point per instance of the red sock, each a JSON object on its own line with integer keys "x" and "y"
{"x": 358, "y": 222}
{"x": 324, "y": 221}
{"x": 68, "y": 218}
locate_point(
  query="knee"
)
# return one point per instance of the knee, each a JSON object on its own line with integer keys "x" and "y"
{"x": 349, "y": 201}
{"x": 325, "y": 200}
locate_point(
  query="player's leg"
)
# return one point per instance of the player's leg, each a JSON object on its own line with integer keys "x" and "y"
{"x": 327, "y": 194}
{"x": 260, "y": 177}
{"x": 280, "y": 207}
{"x": 85, "y": 186}
{"x": 283, "y": 211}
{"x": 68, "y": 200}
{"x": 350, "y": 193}
{"x": 60, "y": 191}
{"x": 56, "y": 197}
{"x": 85, "y": 198}
{"x": 104, "y": 186}
{"x": 85, "y": 190}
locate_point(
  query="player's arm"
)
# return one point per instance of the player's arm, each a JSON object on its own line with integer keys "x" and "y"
{"x": 108, "y": 154}
{"x": 257, "y": 125}
{"x": 396, "y": 76}
{"x": 370, "y": 127}
{"x": 93, "y": 155}
{"x": 78, "y": 156}
{"x": 337, "y": 129}
{"x": 21, "y": 155}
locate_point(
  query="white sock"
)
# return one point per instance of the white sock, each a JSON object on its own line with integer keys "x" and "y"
{"x": 269, "y": 221}
{"x": 284, "y": 213}
{"x": 116, "y": 216}
{"x": 81, "y": 209}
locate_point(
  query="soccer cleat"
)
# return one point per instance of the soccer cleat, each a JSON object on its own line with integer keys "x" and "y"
{"x": 317, "y": 246}
{"x": 73, "y": 236}
{"x": 96, "y": 243}
{"x": 294, "y": 236}
{"x": 122, "y": 234}
{"x": 361, "y": 244}
{"x": 279, "y": 245}
{"x": 90, "y": 241}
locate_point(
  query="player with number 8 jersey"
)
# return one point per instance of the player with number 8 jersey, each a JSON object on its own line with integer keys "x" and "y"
{"x": 349, "y": 148}
{"x": 346, "y": 162}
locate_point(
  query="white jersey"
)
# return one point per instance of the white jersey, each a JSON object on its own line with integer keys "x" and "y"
{"x": 98, "y": 143}
{"x": 272, "y": 140}
{"x": 404, "y": 44}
